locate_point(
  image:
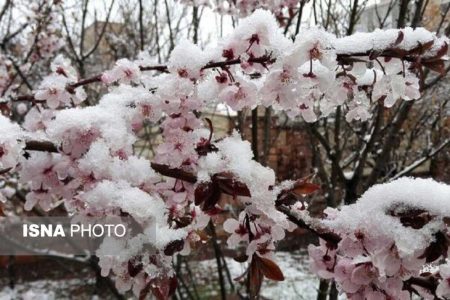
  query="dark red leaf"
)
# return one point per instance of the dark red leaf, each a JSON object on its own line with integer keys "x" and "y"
{"x": 210, "y": 202}
{"x": 144, "y": 292}
{"x": 305, "y": 188}
{"x": 241, "y": 189}
{"x": 230, "y": 186}
{"x": 255, "y": 278}
{"x": 415, "y": 218}
{"x": 269, "y": 268}
{"x": 442, "y": 51}
{"x": 225, "y": 182}
{"x": 421, "y": 48}
{"x": 203, "y": 191}
{"x": 287, "y": 198}
{"x": 437, "y": 248}
{"x": 183, "y": 221}
{"x": 173, "y": 247}
{"x": 437, "y": 66}
{"x": 173, "y": 283}
{"x": 399, "y": 39}
{"x": 241, "y": 258}
{"x": 162, "y": 288}
{"x": 134, "y": 268}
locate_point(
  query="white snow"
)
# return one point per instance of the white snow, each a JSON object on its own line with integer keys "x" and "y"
{"x": 372, "y": 210}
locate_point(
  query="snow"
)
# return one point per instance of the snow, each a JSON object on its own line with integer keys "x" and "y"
{"x": 263, "y": 24}
{"x": 78, "y": 127}
{"x": 132, "y": 200}
{"x": 379, "y": 40}
{"x": 10, "y": 146}
{"x": 299, "y": 283}
{"x": 372, "y": 209}
{"x": 313, "y": 38}
{"x": 187, "y": 59}
{"x": 124, "y": 71}
{"x": 99, "y": 162}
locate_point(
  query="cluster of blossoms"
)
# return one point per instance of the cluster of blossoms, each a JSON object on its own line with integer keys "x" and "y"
{"x": 10, "y": 145}
{"x": 55, "y": 88}
{"x": 374, "y": 261}
{"x": 92, "y": 169}
{"x": 44, "y": 38}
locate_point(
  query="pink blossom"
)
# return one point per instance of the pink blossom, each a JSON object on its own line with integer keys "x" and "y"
{"x": 124, "y": 71}
{"x": 443, "y": 289}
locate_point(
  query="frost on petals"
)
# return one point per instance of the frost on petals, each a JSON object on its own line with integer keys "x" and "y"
{"x": 443, "y": 289}
{"x": 124, "y": 71}
{"x": 55, "y": 88}
{"x": 10, "y": 144}
{"x": 187, "y": 60}
{"x": 387, "y": 237}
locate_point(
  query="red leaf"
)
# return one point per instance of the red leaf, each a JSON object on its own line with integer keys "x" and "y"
{"x": 144, "y": 292}
{"x": 305, "y": 188}
{"x": 437, "y": 66}
{"x": 203, "y": 191}
{"x": 210, "y": 202}
{"x": 162, "y": 288}
{"x": 173, "y": 283}
{"x": 134, "y": 269}
{"x": 287, "y": 198}
{"x": 399, "y": 39}
{"x": 255, "y": 278}
{"x": 241, "y": 189}
{"x": 225, "y": 182}
{"x": 269, "y": 268}
{"x": 230, "y": 186}
{"x": 442, "y": 51}
{"x": 241, "y": 258}
{"x": 421, "y": 48}
{"x": 173, "y": 247}
{"x": 437, "y": 248}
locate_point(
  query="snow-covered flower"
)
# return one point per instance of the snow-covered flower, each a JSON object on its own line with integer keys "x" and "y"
{"x": 10, "y": 144}
{"x": 124, "y": 71}
{"x": 443, "y": 289}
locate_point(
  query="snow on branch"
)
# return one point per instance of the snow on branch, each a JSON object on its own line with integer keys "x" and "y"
{"x": 388, "y": 236}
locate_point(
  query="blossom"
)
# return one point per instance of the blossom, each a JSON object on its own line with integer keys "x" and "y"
{"x": 10, "y": 145}
{"x": 239, "y": 95}
{"x": 187, "y": 68}
{"x": 54, "y": 90}
{"x": 237, "y": 229}
{"x": 124, "y": 71}
{"x": 323, "y": 260}
{"x": 359, "y": 108}
{"x": 443, "y": 289}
